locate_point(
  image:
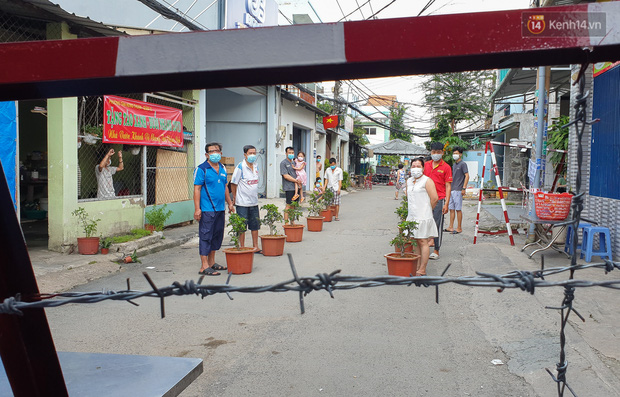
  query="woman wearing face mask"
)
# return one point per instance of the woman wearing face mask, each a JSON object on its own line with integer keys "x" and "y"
{"x": 319, "y": 166}
{"x": 422, "y": 198}
{"x": 300, "y": 168}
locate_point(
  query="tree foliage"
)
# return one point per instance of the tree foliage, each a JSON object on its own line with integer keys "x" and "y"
{"x": 397, "y": 114}
{"x": 326, "y": 106}
{"x": 462, "y": 96}
{"x": 390, "y": 160}
{"x": 360, "y": 133}
{"x": 558, "y": 137}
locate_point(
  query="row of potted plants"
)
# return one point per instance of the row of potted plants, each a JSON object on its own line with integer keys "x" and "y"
{"x": 89, "y": 245}
{"x": 239, "y": 260}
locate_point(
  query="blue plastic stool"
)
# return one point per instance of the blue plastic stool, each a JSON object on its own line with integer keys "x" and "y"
{"x": 604, "y": 244}
{"x": 570, "y": 235}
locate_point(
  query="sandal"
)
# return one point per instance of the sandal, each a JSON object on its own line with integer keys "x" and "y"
{"x": 418, "y": 274}
{"x": 209, "y": 272}
{"x": 218, "y": 267}
{"x": 295, "y": 197}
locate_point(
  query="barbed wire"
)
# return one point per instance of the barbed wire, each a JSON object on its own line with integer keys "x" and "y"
{"x": 524, "y": 280}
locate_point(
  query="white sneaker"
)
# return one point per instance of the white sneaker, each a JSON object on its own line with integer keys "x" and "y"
{"x": 433, "y": 256}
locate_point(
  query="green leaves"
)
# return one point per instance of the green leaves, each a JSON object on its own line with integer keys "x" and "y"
{"x": 272, "y": 216}
{"x": 293, "y": 212}
{"x": 238, "y": 226}
{"x": 557, "y": 137}
{"x": 397, "y": 114}
{"x": 89, "y": 225}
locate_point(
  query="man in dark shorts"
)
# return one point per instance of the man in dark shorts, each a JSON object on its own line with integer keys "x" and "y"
{"x": 289, "y": 178}
{"x": 210, "y": 197}
{"x": 441, "y": 173}
{"x": 244, "y": 187}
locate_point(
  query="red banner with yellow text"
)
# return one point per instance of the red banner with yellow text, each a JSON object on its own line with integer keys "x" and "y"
{"x": 141, "y": 123}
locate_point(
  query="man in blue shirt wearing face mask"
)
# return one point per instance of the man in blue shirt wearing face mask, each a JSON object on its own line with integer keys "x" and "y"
{"x": 210, "y": 198}
{"x": 289, "y": 178}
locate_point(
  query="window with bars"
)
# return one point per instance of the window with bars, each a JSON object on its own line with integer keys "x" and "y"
{"x": 160, "y": 174}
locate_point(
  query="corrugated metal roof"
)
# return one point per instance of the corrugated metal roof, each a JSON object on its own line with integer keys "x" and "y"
{"x": 47, "y": 11}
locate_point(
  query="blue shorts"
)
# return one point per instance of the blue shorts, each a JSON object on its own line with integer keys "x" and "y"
{"x": 251, "y": 215}
{"x": 211, "y": 231}
{"x": 456, "y": 201}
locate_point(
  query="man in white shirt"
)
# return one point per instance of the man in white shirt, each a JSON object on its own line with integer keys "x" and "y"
{"x": 244, "y": 187}
{"x": 333, "y": 181}
{"x": 104, "y": 171}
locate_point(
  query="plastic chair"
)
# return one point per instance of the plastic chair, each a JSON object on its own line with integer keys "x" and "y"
{"x": 570, "y": 235}
{"x": 604, "y": 247}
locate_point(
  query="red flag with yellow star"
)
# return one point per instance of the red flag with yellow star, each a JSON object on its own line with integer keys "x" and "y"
{"x": 330, "y": 121}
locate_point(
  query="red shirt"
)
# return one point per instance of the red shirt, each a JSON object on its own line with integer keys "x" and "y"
{"x": 440, "y": 174}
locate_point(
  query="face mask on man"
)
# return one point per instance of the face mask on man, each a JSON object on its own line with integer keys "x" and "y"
{"x": 455, "y": 157}
{"x": 215, "y": 157}
{"x": 291, "y": 156}
{"x": 416, "y": 172}
{"x": 436, "y": 157}
{"x": 251, "y": 158}
{"x": 318, "y": 160}
{"x": 333, "y": 167}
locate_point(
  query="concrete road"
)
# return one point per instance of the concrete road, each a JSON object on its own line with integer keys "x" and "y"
{"x": 375, "y": 341}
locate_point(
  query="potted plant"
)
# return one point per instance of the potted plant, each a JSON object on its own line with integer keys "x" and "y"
{"x": 294, "y": 232}
{"x": 105, "y": 245}
{"x": 402, "y": 211}
{"x": 326, "y": 200}
{"x": 273, "y": 243}
{"x": 88, "y": 245}
{"x": 403, "y": 263}
{"x": 156, "y": 218}
{"x": 239, "y": 260}
{"x": 133, "y": 258}
{"x": 314, "y": 220}
{"x": 92, "y": 134}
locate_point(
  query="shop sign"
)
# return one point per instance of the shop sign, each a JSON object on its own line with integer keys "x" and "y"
{"x": 602, "y": 67}
{"x": 141, "y": 123}
{"x": 251, "y": 13}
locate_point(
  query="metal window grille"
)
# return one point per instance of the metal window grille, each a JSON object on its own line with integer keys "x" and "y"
{"x": 167, "y": 172}
{"x": 170, "y": 171}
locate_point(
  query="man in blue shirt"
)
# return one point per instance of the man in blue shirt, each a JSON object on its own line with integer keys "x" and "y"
{"x": 210, "y": 197}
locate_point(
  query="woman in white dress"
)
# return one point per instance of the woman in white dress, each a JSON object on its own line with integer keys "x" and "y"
{"x": 422, "y": 198}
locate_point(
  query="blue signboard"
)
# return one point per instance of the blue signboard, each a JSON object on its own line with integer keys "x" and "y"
{"x": 8, "y": 144}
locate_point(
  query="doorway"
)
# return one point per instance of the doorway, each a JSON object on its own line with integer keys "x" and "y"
{"x": 301, "y": 143}
{"x": 33, "y": 183}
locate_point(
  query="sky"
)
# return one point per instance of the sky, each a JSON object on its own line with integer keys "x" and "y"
{"x": 406, "y": 88}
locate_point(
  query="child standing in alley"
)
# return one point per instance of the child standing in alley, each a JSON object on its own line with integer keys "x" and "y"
{"x": 300, "y": 168}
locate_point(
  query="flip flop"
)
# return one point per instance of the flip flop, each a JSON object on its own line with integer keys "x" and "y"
{"x": 258, "y": 251}
{"x": 455, "y": 232}
{"x": 209, "y": 272}
{"x": 449, "y": 231}
{"x": 218, "y": 267}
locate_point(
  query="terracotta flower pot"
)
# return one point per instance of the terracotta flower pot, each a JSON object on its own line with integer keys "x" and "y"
{"x": 272, "y": 245}
{"x": 327, "y": 214}
{"x": 315, "y": 223}
{"x": 148, "y": 227}
{"x": 294, "y": 233}
{"x": 333, "y": 209}
{"x": 239, "y": 260}
{"x": 105, "y": 251}
{"x": 409, "y": 247}
{"x": 402, "y": 266}
{"x": 88, "y": 245}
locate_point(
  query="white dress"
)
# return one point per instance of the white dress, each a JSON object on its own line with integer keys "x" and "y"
{"x": 420, "y": 209}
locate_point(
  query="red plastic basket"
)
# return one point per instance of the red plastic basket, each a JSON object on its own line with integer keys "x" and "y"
{"x": 552, "y": 206}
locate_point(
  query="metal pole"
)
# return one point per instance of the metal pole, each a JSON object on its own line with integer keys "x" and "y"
{"x": 542, "y": 76}
{"x": 26, "y": 343}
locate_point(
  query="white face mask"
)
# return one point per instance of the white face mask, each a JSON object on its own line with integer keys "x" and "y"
{"x": 300, "y": 158}
{"x": 455, "y": 157}
{"x": 416, "y": 172}
{"x": 436, "y": 157}
{"x": 79, "y": 144}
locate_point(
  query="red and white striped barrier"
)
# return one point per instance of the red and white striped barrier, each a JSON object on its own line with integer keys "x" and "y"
{"x": 298, "y": 53}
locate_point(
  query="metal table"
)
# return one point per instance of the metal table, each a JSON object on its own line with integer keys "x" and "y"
{"x": 542, "y": 238}
{"x": 98, "y": 374}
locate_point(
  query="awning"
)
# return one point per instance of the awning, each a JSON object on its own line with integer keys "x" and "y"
{"x": 523, "y": 80}
{"x": 398, "y": 147}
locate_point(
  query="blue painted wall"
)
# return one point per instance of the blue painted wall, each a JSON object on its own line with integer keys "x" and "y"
{"x": 605, "y": 144}
{"x": 8, "y": 144}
